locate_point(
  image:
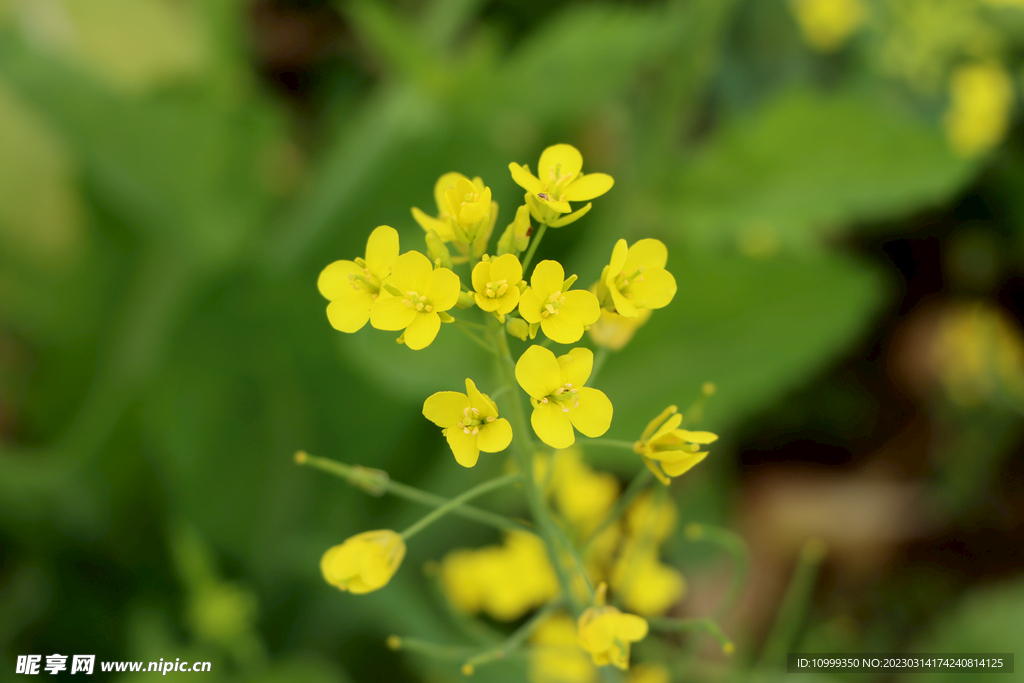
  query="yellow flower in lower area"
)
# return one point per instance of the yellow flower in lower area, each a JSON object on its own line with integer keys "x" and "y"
{"x": 636, "y": 278}
{"x": 561, "y": 314}
{"x": 470, "y": 422}
{"x": 613, "y": 331}
{"x": 583, "y": 495}
{"x": 669, "y": 451}
{"x": 423, "y": 293}
{"x": 353, "y": 286}
{"x": 496, "y": 282}
{"x": 560, "y": 181}
{"x": 555, "y": 655}
{"x": 827, "y": 24}
{"x": 981, "y": 96}
{"x": 651, "y": 515}
{"x": 606, "y": 633}
{"x": 560, "y": 401}
{"x": 645, "y": 585}
{"x": 503, "y": 581}
{"x": 443, "y": 224}
{"x": 365, "y": 562}
{"x": 649, "y": 673}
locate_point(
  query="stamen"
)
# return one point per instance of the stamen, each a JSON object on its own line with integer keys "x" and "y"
{"x": 490, "y": 419}
{"x": 544, "y": 400}
{"x": 475, "y": 411}
{"x": 429, "y": 309}
{"x": 565, "y": 409}
{"x": 419, "y": 307}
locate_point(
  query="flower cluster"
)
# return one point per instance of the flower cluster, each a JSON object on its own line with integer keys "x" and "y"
{"x": 600, "y": 535}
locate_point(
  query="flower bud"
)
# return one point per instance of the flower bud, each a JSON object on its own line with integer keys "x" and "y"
{"x": 465, "y": 301}
{"x": 437, "y": 250}
{"x": 517, "y": 234}
{"x": 365, "y": 562}
{"x": 518, "y": 328}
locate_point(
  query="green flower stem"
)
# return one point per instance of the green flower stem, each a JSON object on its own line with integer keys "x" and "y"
{"x": 462, "y": 327}
{"x": 611, "y": 443}
{"x": 522, "y": 446}
{"x": 534, "y": 243}
{"x": 458, "y": 500}
{"x": 599, "y": 358}
{"x": 733, "y": 544}
{"x": 639, "y": 484}
{"x": 516, "y": 639}
{"x": 794, "y": 604}
{"x": 377, "y": 482}
{"x": 424, "y": 647}
{"x": 708, "y": 626}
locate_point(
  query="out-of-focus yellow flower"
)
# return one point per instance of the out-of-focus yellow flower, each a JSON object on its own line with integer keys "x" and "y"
{"x": 555, "y": 655}
{"x": 496, "y": 282}
{"x": 827, "y": 24}
{"x": 561, "y": 181}
{"x": 606, "y": 633}
{"x": 981, "y": 96}
{"x": 651, "y": 515}
{"x": 353, "y": 286}
{"x": 613, "y": 331}
{"x": 365, "y": 562}
{"x": 649, "y": 673}
{"x": 504, "y": 581}
{"x": 560, "y": 401}
{"x": 414, "y": 296}
{"x": 636, "y": 278}
{"x": 645, "y": 585}
{"x": 583, "y": 495}
{"x": 466, "y": 217}
{"x": 561, "y": 314}
{"x": 470, "y": 422}
{"x": 668, "y": 451}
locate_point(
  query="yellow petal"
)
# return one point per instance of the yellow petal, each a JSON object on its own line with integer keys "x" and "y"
{"x": 463, "y": 445}
{"x": 588, "y": 187}
{"x": 508, "y": 303}
{"x": 481, "y": 276}
{"x": 348, "y": 316}
{"x": 594, "y": 415}
{"x": 443, "y": 290}
{"x": 664, "y": 429}
{"x": 547, "y": 278}
{"x": 653, "y": 425}
{"x": 683, "y": 463}
{"x": 550, "y": 201}
{"x": 575, "y": 366}
{"x": 508, "y": 268}
{"x": 411, "y": 272}
{"x": 531, "y": 303}
{"x": 389, "y": 313}
{"x": 566, "y": 158}
{"x": 523, "y": 178}
{"x": 373, "y": 570}
{"x": 538, "y": 372}
{"x": 442, "y": 228}
{"x": 339, "y": 564}
{"x": 482, "y": 402}
{"x": 495, "y": 436}
{"x": 618, "y": 260}
{"x": 552, "y": 425}
{"x": 698, "y": 437}
{"x": 649, "y": 253}
{"x": 382, "y": 250}
{"x": 581, "y": 305}
{"x": 623, "y": 306}
{"x": 572, "y": 217}
{"x": 656, "y": 290}
{"x": 422, "y": 330}
{"x": 333, "y": 281}
{"x": 560, "y": 328}
{"x": 630, "y": 627}
{"x": 448, "y": 180}
{"x": 445, "y": 408}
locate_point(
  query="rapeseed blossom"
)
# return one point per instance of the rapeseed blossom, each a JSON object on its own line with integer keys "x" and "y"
{"x": 560, "y": 401}
{"x": 414, "y": 298}
{"x": 827, "y": 24}
{"x": 560, "y": 313}
{"x": 636, "y": 278}
{"x": 555, "y": 655}
{"x": 669, "y": 451}
{"x": 365, "y": 562}
{"x": 469, "y": 422}
{"x": 353, "y": 286}
{"x": 464, "y": 219}
{"x": 645, "y": 585}
{"x": 559, "y": 180}
{"x": 606, "y": 633}
{"x": 496, "y": 282}
{"x": 613, "y": 331}
{"x": 981, "y": 96}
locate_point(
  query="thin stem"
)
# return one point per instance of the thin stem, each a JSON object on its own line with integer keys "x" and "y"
{"x": 472, "y": 325}
{"x": 611, "y": 443}
{"x": 733, "y": 544}
{"x": 515, "y": 640}
{"x": 533, "y": 246}
{"x": 639, "y": 484}
{"x": 706, "y": 625}
{"x": 424, "y": 647}
{"x": 794, "y": 603}
{"x": 599, "y": 358}
{"x": 475, "y": 337}
{"x": 458, "y": 500}
{"x": 378, "y": 482}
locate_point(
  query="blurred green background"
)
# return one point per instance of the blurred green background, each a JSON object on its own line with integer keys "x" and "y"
{"x": 838, "y": 181}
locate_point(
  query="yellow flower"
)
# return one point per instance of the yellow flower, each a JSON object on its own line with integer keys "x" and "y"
{"x": 649, "y": 673}
{"x": 674, "y": 450}
{"x": 584, "y": 496}
{"x": 979, "y": 113}
{"x": 827, "y": 24}
{"x": 561, "y": 181}
{"x": 561, "y": 313}
{"x": 423, "y": 293}
{"x": 496, "y": 282}
{"x": 555, "y": 655}
{"x": 606, "y": 633}
{"x": 646, "y": 586}
{"x": 455, "y": 223}
{"x": 560, "y": 401}
{"x": 613, "y": 331}
{"x": 470, "y": 422}
{"x": 365, "y": 562}
{"x": 648, "y": 515}
{"x": 504, "y": 581}
{"x": 353, "y": 286}
{"x": 636, "y": 278}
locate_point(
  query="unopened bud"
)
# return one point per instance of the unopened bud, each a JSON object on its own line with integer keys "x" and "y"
{"x": 465, "y": 301}
{"x": 518, "y": 328}
{"x": 438, "y": 250}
